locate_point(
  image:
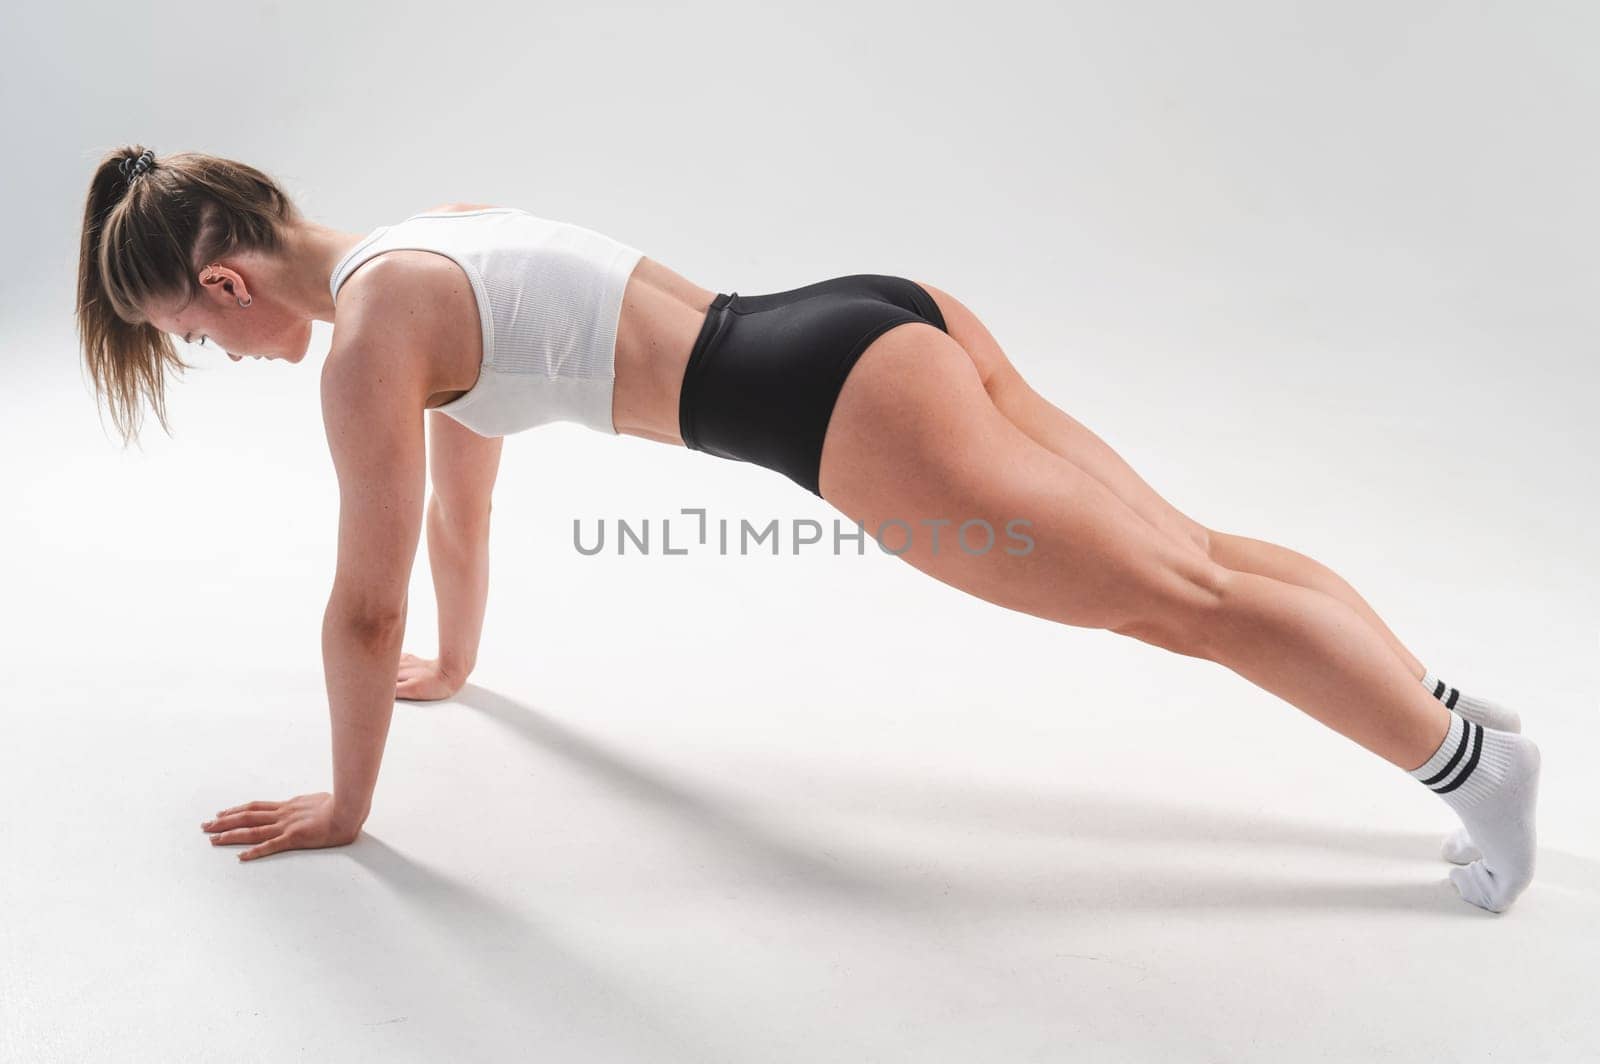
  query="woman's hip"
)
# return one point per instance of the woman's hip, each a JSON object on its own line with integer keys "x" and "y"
{"x": 766, "y": 370}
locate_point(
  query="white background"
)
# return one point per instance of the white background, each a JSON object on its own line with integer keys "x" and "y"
{"x": 1324, "y": 273}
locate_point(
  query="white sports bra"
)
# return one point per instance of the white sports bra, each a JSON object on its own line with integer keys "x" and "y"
{"x": 549, "y": 297}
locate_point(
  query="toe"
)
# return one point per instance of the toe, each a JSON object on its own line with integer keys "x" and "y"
{"x": 1483, "y": 887}
{"x": 1469, "y": 883}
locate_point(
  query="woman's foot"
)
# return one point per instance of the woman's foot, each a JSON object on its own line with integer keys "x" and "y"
{"x": 1478, "y": 710}
{"x": 1459, "y": 848}
{"x": 1491, "y": 779}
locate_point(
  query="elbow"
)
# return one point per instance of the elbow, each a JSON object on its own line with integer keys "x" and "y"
{"x": 466, "y": 520}
{"x": 367, "y": 620}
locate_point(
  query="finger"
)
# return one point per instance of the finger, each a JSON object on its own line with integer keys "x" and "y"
{"x": 272, "y": 845}
{"x": 239, "y": 820}
{"x": 248, "y": 806}
{"x": 238, "y": 835}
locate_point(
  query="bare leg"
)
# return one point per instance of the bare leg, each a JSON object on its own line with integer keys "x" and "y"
{"x": 1060, "y": 433}
{"x": 916, "y": 437}
{"x": 1063, "y": 435}
{"x": 1282, "y": 563}
{"x": 917, "y": 434}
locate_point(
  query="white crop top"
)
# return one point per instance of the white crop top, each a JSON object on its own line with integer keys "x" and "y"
{"x": 549, "y": 297}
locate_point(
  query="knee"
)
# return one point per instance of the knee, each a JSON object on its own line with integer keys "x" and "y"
{"x": 1185, "y": 613}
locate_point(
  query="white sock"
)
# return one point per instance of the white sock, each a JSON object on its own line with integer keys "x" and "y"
{"x": 1459, "y": 848}
{"x": 1479, "y": 710}
{"x": 1491, "y": 779}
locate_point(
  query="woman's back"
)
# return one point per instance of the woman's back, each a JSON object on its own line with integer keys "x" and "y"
{"x": 521, "y": 269}
{"x": 549, "y": 296}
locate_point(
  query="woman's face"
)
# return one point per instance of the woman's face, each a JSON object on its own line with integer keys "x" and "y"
{"x": 264, "y": 329}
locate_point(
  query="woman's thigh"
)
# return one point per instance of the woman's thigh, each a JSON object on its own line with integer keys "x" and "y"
{"x": 914, "y": 440}
{"x": 1054, "y": 428}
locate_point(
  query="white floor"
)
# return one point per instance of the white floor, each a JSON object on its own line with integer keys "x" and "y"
{"x": 723, "y": 808}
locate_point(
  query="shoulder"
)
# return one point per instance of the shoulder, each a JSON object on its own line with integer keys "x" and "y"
{"x": 385, "y": 322}
{"x": 397, "y": 275}
{"x": 395, "y": 307}
{"x": 388, "y": 295}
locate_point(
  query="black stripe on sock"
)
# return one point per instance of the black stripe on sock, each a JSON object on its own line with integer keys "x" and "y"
{"x": 1450, "y": 703}
{"x": 1438, "y": 689}
{"x": 1461, "y": 748}
{"x": 1472, "y": 762}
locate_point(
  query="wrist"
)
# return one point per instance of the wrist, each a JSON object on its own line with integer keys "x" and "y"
{"x": 349, "y": 816}
{"x": 454, "y": 670}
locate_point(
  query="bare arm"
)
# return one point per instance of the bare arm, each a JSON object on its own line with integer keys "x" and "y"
{"x": 372, "y": 402}
{"x": 463, "y": 466}
{"x": 373, "y": 410}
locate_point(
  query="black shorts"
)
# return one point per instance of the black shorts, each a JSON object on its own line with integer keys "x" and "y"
{"x": 766, "y": 370}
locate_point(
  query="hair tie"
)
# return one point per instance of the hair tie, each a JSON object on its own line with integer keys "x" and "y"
{"x": 132, "y": 168}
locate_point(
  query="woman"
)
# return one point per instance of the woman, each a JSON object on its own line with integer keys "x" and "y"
{"x": 886, "y": 397}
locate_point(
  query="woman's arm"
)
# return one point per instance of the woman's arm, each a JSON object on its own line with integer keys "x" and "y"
{"x": 374, "y": 422}
{"x": 463, "y": 466}
{"x": 373, "y": 394}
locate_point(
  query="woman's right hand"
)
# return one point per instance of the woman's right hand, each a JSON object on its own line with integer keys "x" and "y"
{"x": 422, "y": 680}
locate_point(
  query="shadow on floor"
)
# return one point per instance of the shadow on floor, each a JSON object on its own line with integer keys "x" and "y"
{"x": 778, "y": 856}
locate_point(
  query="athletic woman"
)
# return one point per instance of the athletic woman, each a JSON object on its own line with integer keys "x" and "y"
{"x": 884, "y": 396}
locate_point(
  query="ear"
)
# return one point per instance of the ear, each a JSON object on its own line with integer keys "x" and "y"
{"x": 223, "y": 283}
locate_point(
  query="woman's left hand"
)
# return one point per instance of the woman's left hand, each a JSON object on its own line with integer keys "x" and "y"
{"x": 307, "y": 822}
